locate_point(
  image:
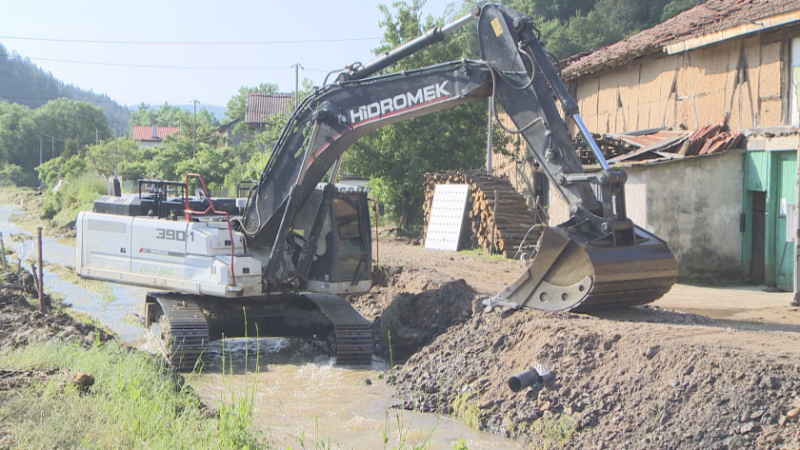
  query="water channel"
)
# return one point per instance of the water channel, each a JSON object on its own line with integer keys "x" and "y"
{"x": 300, "y": 396}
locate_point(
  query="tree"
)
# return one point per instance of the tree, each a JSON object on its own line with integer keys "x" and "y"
{"x": 68, "y": 121}
{"x": 396, "y": 157}
{"x": 166, "y": 114}
{"x": 569, "y": 27}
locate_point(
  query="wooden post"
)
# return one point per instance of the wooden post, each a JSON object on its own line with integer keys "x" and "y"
{"x": 41, "y": 273}
{"x": 3, "y": 251}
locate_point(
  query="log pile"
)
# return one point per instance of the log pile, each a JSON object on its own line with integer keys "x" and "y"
{"x": 509, "y": 219}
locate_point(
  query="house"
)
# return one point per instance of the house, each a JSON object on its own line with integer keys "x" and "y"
{"x": 152, "y": 136}
{"x": 260, "y": 107}
{"x": 227, "y": 129}
{"x": 724, "y": 215}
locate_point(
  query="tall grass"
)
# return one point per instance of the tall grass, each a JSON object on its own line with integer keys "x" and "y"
{"x": 135, "y": 403}
{"x": 77, "y": 194}
{"x": 237, "y": 409}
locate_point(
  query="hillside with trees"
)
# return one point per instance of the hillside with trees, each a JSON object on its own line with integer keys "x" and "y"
{"x": 23, "y": 83}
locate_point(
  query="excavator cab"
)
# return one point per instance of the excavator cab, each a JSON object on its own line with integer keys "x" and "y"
{"x": 342, "y": 261}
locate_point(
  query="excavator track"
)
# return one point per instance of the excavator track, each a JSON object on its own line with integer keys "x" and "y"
{"x": 353, "y": 333}
{"x": 183, "y": 332}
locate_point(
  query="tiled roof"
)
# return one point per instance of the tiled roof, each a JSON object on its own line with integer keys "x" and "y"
{"x": 260, "y": 106}
{"x": 146, "y": 133}
{"x": 711, "y": 17}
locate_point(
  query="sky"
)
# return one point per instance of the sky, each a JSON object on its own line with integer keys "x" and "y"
{"x": 351, "y": 29}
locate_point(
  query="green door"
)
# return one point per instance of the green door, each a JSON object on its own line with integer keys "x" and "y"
{"x": 786, "y": 196}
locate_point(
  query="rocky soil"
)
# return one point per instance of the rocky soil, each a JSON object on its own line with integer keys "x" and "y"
{"x": 20, "y": 322}
{"x": 638, "y": 378}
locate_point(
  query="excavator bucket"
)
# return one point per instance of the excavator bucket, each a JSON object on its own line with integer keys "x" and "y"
{"x": 571, "y": 272}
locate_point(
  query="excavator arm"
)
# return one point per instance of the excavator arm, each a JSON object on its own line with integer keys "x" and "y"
{"x": 597, "y": 258}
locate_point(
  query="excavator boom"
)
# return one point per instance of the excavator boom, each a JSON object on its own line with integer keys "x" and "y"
{"x": 598, "y": 258}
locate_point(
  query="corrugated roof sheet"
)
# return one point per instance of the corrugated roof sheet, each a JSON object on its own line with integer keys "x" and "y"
{"x": 146, "y": 133}
{"x": 711, "y": 17}
{"x": 261, "y": 106}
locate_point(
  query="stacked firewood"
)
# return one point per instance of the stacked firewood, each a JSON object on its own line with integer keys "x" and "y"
{"x": 505, "y": 221}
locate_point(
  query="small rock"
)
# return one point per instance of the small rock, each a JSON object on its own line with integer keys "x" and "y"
{"x": 545, "y": 406}
{"x": 792, "y": 414}
{"x": 674, "y": 383}
{"x": 771, "y": 383}
{"x": 782, "y": 420}
{"x": 548, "y": 415}
{"x": 82, "y": 379}
{"x": 757, "y": 415}
{"x": 747, "y": 428}
{"x": 796, "y": 403}
{"x": 607, "y": 345}
{"x": 617, "y": 337}
{"x": 486, "y": 404}
{"x": 368, "y": 382}
{"x": 652, "y": 351}
{"x": 688, "y": 370}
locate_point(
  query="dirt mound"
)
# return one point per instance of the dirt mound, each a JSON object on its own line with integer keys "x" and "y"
{"x": 21, "y": 323}
{"x": 621, "y": 384}
{"x": 413, "y": 306}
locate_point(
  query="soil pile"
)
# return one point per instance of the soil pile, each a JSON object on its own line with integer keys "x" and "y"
{"x": 620, "y": 384}
{"x": 414, "y": 306}
{"x": 20, "y": 322}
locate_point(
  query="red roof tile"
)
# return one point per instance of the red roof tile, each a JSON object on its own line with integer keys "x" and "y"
{"x": 261, "y": 106}
{"x": 146, "y": 133}
{"x": 711, "y": 17}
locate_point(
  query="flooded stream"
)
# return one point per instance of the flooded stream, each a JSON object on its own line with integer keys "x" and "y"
{"x": 298, "y": 392}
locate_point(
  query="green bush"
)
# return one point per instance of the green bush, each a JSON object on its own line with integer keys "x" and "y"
{"x": 75, "y": 195}
{"x": 13, "y": 175}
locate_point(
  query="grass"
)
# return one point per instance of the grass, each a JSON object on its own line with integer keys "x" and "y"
{"x": 479, "y": 253}
{"x": 465, "y": 408}
{"x": 97, "y": 287}
{"x": 547, "y": 434}
{"x": 135, "y": 403}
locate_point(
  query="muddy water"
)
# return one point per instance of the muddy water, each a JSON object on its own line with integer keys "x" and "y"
{"x": 296, "y": 388}
{"x": 299, "y": 392}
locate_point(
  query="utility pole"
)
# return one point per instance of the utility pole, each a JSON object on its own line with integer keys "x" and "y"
{"x": 53, "y": 145}
{"x": 116, "y": 174}
{"x": 297, "y": 66}
{"x": 194, "y": 153}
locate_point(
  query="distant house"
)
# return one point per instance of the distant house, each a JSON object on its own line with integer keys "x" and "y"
{"x": 227, "y": 131}
{"x": 261, "y": 106}
{"x": 152, "y": 136}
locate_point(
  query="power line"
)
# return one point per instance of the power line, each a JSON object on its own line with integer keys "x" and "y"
{"x": 153, "y": 66}
{"x": 91, "y": 41}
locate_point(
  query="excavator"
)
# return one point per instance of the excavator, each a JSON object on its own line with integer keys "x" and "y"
{"x": 276, "y": 263}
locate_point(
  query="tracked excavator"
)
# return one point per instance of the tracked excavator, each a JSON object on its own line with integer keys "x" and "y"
{"x": 276, "y": 263}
